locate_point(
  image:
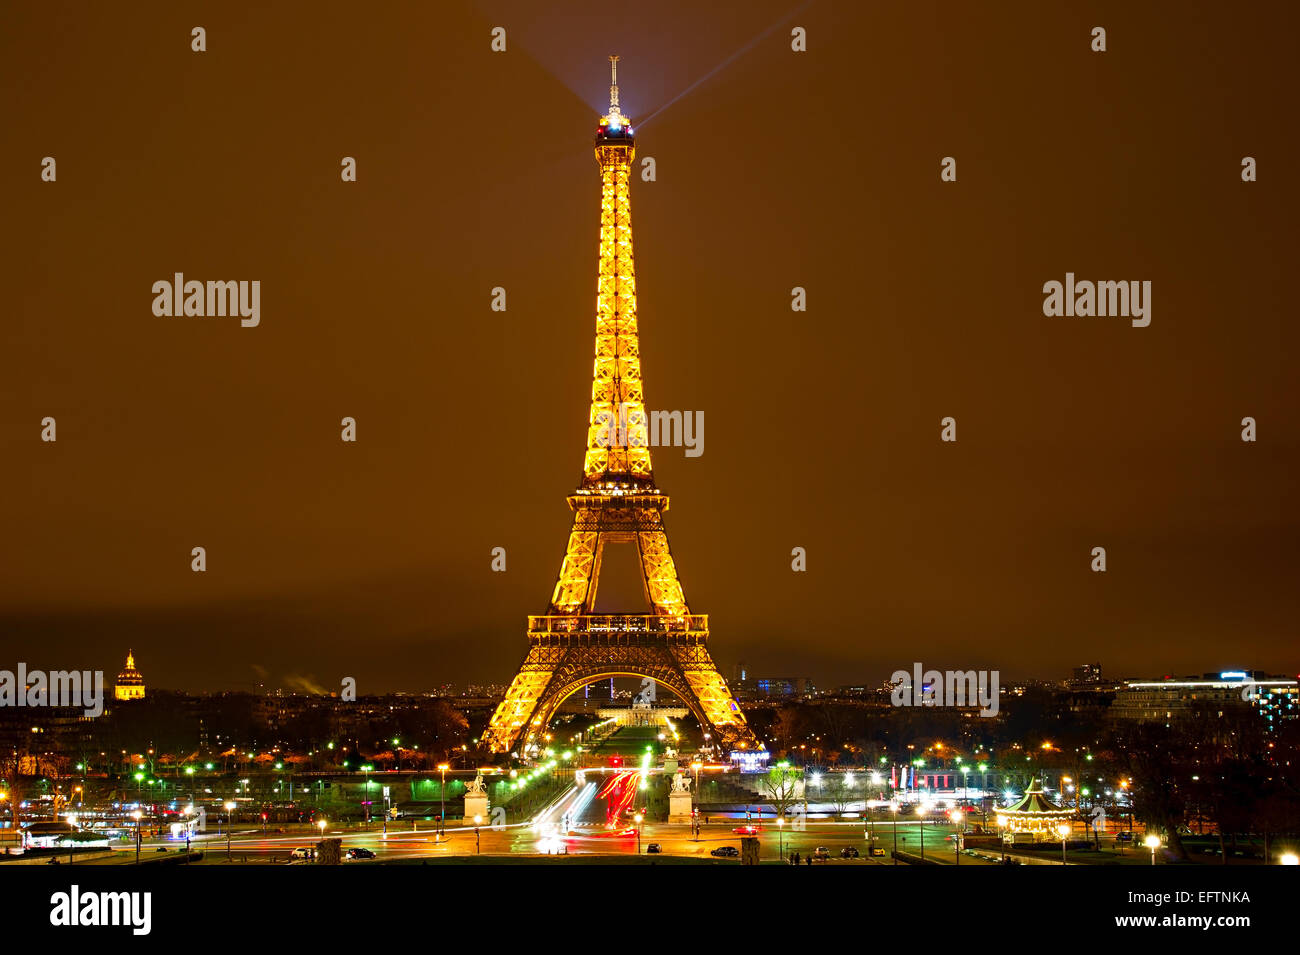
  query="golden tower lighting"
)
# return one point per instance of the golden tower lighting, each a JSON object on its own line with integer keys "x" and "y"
{"x": 616, "y": 502}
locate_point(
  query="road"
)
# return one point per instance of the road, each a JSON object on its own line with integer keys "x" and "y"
{"x": 255, "y": 847}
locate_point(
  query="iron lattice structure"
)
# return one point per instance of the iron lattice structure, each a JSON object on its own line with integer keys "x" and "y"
{"x": 616, "y": 502}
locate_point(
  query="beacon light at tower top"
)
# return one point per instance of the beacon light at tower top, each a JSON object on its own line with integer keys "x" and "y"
{"x": 614, "y": 125}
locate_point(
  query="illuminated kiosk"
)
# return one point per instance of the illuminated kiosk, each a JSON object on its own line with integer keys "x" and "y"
{"x": 130, "y": 684}
{"x": 1033, "y": 819}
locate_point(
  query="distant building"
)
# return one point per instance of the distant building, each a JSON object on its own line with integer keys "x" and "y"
{"x": 784, "y": 687}
{"x": 130, "y": 684}
{"x": 1088, "y": 673}
{"x": 1174, "y": 699}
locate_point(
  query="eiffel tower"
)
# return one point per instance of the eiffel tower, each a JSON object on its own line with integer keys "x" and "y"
{"x": 616, "y": 502}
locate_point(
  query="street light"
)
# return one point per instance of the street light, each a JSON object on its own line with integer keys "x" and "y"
{"x": 956, "y": 835}
{"x": 920, "y": 811}
{"x": 638, "y": 817}
{"x": 893, "y": 807}
{"x": 478, "y": 821}
{"x": 1152, "y": 842}
{"x": 1290, "y": 858}
{"x": 1063, "y": 830}
{"x": 230, "y": 808}
{"x": 442, "y": 817}
{"x": 137, "y": 815}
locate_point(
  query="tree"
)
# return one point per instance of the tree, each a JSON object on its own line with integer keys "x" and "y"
{"x": 780, "y": 787}
{"x": 841, "y": 795}
{"x": 1157, "y": 799}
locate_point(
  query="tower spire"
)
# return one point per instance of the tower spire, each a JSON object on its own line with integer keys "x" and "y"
{"x": 613, "y": 81}
{"x": 618, "y": 449}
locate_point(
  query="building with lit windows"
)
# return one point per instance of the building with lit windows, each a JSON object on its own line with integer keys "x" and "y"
{"x": 1227, "y": 693}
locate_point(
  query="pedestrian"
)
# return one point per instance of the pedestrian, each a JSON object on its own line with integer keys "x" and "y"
{"x": 796, "y": 858}
{"x": 809, "y": 860}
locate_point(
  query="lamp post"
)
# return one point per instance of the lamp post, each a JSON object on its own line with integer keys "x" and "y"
{"x": 137, "y": 815}
{"x": 1153, "y": 843}
{"x": 780, "y": 827}
{"x": 638, "y": 817}
{"x": 920, "y": 812}
{"x": 230, "y": 809}
{"x": 1063, "y": 830}
{"x": 697, "y": 766}
{"x": 442, "y": 816}
{"x": 478, "y": 821}
{"x": 956, "y": 836}
{"x": 893, "y": 807}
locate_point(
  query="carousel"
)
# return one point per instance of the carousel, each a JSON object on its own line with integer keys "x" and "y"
{"x": 1034, "y": 818}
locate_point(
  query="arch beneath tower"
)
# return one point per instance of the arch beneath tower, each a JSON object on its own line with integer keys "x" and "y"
{"x": 570, "y": 679}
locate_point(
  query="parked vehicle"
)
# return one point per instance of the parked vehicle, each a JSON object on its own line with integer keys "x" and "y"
{"x": 725, "y": 852}
{"x": 849, "y": 852}
{"x": 653, "y": 849}
{"x": 357, "y": 852}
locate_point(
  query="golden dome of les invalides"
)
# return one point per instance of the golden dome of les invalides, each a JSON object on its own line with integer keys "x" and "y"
{"x": 130, "y": 684}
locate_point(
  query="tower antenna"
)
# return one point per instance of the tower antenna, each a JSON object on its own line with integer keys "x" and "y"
{"x": 613, "y": 89}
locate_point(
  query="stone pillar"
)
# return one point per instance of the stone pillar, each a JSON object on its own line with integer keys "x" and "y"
{"x": 679, "y": 799}
{"x": 476, "y": 803}
{"x": 679, "y": 807}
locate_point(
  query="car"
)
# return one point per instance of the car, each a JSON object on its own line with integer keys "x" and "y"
{"x": 748, "y": 830}
{"x": 357, "y": 852}
{"x": 1124, "y": 837}
{"x": 303, "y": 852}
{"x": 849, "y": 852}
{"x": 876, "y": 851}
{"x": 821, "y": 854}
{"x": 725, "y": 852}
{"x": 653, "y": 849}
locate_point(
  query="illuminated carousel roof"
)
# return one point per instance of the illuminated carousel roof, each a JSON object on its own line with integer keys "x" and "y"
{"x": 1034, "y": 804}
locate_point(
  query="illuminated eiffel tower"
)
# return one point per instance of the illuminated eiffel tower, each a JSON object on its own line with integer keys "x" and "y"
{"x": 616, "y": 502}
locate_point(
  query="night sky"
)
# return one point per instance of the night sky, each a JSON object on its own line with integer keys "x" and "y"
{"x": 775, "y": 169}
